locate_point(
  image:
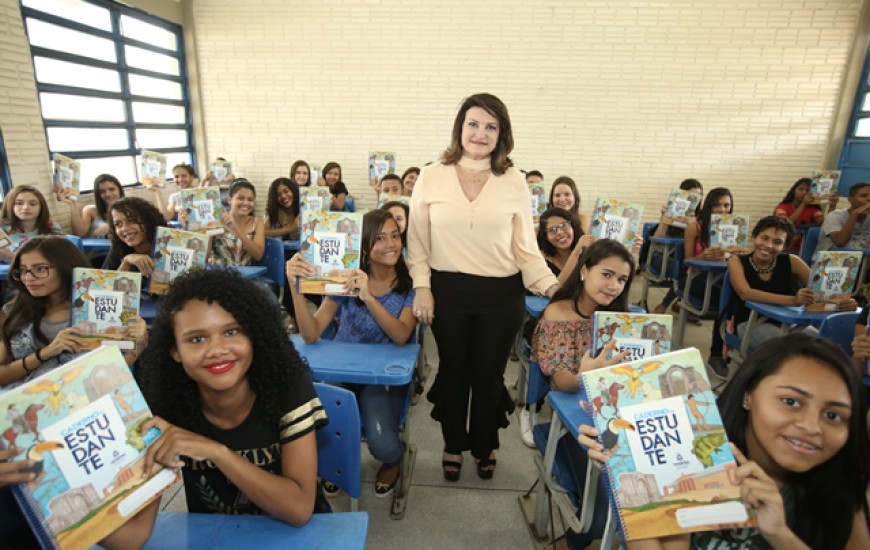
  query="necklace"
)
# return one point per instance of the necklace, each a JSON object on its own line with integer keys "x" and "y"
{"x": 475, "y": 164}
{"x": 763, "y": 270}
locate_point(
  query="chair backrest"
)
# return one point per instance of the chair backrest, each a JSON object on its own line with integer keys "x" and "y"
{"x": 349, "y": 204}
{"x": 840, "y": 329}
{"x": 76, "y": 241}
{"x": 811, "y": 241}
{"x": 539, "y": 385}
{"x": 338, "y": 443}
{"x": 273, "y": 261}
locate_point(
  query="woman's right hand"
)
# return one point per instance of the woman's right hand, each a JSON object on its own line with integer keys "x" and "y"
{"x": 12, "y": 472}
{"x": 143, "y": 262}
{"x": 296, "y": 267}
{"x": 861, "y": 346}
{"x": 804, "y": 296}
{"x": 424, "y": 305}
{"x": 68, "y": 339}
{"x": 588, "y": 439}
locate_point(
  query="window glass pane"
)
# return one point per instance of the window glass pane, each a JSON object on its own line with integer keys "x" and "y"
{"x": 74, "y": 107}
{"x": 158, "y": 113}
{"x": 61, "y": 39}
{"x": 148, "y": 33}
{"x": 154, "y": 87}
{"x": 74, "y": 10}
{"x": 123, "y": 168}
{"x": 52, "y": 71}
{"x": 865, "y": 106}
{"x": 862, "y": 127}
{"x": 86, "y": 139}
{"x": 152, "y": 61}
{"x": 158, "y": 139}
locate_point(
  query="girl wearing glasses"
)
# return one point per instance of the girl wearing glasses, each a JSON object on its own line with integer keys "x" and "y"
{"x": 35, "y": 331}
{"x": 562, "y": 241}
{"x": 26, "y": 215}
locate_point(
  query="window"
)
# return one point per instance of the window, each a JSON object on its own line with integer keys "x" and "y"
{"x": 5, "y": 176}
{"x": 855, "y": 157}
{"x": 111, "y": 82}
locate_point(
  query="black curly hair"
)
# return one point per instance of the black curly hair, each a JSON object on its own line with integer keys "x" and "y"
{"x": 272, "y": 204}
{"x": 139, "y": 211}
{"x": 276, "y": 366}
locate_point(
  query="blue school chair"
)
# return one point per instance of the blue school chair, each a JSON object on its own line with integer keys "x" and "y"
{"x": 809, "y": 244}
{"x": 657, "y": 275}
{"x": 339, "y": 455}
{"x": 349, "y": 204}
{"x": 731, "y": 339}
{"x": 273, "y": 261}
{"x": 76, "y": 240}
{"x": 840, "y": 329}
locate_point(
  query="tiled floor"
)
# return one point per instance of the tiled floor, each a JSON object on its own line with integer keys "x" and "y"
{"x": 471, "y": 513}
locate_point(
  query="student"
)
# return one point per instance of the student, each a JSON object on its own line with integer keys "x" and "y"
{"x": 244, "y": 239}
{"x": 561, "y": 241}
{"x": 134, "y": 223}
{"x": 534, "y": 176}
{"x": 36, "y": 336}
{"x": 770, "y": 276}
{"x": 600, "y": 281}
{"x": 26, "y": 215}
{"x": 793, "y": 414}
{"x": 861, "y": 342}
{"x": 391, "y": 184}
{"x": 300, "y": 173}
{"x": 379, "y": 313}
{"x": 95, "y": 217}
{"x": 400, "y": 212}
{"x": 848, "y": 227}
{"x": 409, "y": 178}
{"x": 332, "y": 177}
{"x": 282, "y": 210}
{"x": 184, "y": 176}
{"x": 233, "y": 400}
{"x": 564, "y": 195}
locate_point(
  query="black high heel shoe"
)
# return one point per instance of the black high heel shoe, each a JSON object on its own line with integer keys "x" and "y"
{"x": 451, "y": 475}
{"x": 482, "y": 465}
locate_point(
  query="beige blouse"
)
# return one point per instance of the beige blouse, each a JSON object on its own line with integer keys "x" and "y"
{"x": 491, "y": 236}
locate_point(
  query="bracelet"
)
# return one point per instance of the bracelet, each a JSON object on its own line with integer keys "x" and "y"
{"x": 38, "y": 357}
{"x": 24, "y": 365}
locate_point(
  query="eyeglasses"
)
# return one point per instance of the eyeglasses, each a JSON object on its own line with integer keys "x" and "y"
{"x": 564, "y": 226}
{"x": 38, "y": 272}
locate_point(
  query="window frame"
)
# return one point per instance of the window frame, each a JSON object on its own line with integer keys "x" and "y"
{"x": 854, "y": 162}
{"x": 5, "y": 174}
{"x": 132, "y": 151}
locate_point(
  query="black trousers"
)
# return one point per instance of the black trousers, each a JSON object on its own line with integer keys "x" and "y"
{"x": 476, "y": 320}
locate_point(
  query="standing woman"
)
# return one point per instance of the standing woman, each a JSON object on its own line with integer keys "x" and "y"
{"x": 300, "y": 173}
{"x": 471, "y": 253}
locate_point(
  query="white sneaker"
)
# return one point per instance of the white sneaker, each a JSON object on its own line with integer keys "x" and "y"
{"x": 526, "y": 428}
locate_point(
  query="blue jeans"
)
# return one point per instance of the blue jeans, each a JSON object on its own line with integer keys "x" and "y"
{"x": 380, "y": 409}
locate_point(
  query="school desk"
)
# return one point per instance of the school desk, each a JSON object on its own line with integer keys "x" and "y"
{"x": 713, "y": 271}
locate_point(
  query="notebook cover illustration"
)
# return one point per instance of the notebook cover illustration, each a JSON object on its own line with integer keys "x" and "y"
{"x": 680, "y": 207}
{"x": 381, "y": 163}
{"x": 642, "y": 334}
{"x": 824, "y": 182}
{"x": 103, "y": 300}
{"x": 330, "y": 241}
{"x": 384, "y": 198}
{"x": 670, "y": 469}
{"x": 67, "y": 175}
{"x": 833, "y": 277}
{"x": 204, "y": 208}
{"x": 316, "y": 174}
{"x": 314, "y": 198}
{"x": 5, "y": 240}
{"x": 539, "y": 192}
{"x": 175, "y": 252}
{"x": 153, "y": 169}
{"x": 221, "y": 169}
{"x": 729, "y": 230}
{"x": 80, "y": 423}
{"x": 616, "y": 219}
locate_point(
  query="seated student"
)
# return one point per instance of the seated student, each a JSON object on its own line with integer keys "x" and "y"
{"x": 409, "y": 178}
{"x": 35, "y": 327}
{"x": 244, "y": 239}
{"x": 600, "y": 281}
{"x": 564, "y": 195}
{"x": 390, "y": 184}
{"x": 282, "y": 210}
{"x": 770, "y": 276}
{"x": 561, "y": 241}
{"x": 379, "y": 313}
{"x": 95, "y": 217}
{"x": 793, "y": 414}
{"x": 332, "y": 177}
{"x": 400, "y": 212}
{"x": 26, "y": 215}
{"x": 665, "y": 229}
{"x": 848, "y": 227}
{"x": 300, "y": 173}
{"x": 796, "y": 207}
{"x": 134, "y": 222}
{"x": 184, "y": 176}
{"x": 233, "y": 400}
{"x": 861, "y": 342}
{"x": 534, "y": 176}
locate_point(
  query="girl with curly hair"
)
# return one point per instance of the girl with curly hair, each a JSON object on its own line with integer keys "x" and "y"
{"x": 282, "y": 210}
{"x": 233, "y": 400}
{"x": 379, "y": 313}
{"x": 131, "y": 231}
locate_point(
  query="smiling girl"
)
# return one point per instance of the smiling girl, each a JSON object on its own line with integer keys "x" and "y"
{"x": 379, "y": 313}
{"x": 561, "y": 241}
{"x": 564, "y": 195}
{"x": 26, "y": 215}
{"x": 95, "y": 217}
{"x": 134, "y": 222}
{"x": 332, "y": 177}
{"x": 300, "y": 173}
{"x": 409, "y": 178}
{"x": 244, "y": 239}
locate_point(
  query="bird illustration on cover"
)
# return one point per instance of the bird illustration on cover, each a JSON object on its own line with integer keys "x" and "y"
{"x": 54, "y": 389}
{"x": 634, "y": 374}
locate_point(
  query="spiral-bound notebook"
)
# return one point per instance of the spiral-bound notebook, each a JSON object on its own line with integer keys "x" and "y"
{"x": 643, "y": 335}
{"x": 670, "y": 469}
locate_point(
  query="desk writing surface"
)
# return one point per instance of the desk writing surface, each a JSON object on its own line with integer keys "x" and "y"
{"x": 96, "y": 244}
{"x": 250, "y": 271}
{"x": 667, "y": 240}
{"x": 535, "y": 305}
{"x": 291, "y": 246}
{"x": 715, "y": 266}
{"x": 567, "y": 406}
{"x": 359, "y": 363}
{"x": 792, "y": 315}
{"x": 181, "y": 530}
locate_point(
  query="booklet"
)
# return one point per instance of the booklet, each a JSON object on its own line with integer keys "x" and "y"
{"x": 616, "y": 219}
{"x": 204, "y": 209}
{"x": 680, "y": 208}
{"x": 642, "y": 334}
{"x": 67, "y": 175}
{"x": 381, "y": 163}
{"x": 330, "y": 241}
{"x": 728, "y": 231}
{"x": 103, "y": 300}
{"x": 153, "y": 169}
{"x": 539, "y": 193}
{"x": 833, "y": 277}
{"x": 314, "y": 198}
{"x": 176, "y": 252}
{"x": 824, "y": 182}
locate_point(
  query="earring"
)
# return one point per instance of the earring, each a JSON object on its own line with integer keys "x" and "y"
{"x": 745, "y": 402}
{"x": 582, "y": 278}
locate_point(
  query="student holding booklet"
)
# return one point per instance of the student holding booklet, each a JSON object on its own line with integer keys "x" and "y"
{"x": 793, "y": 414}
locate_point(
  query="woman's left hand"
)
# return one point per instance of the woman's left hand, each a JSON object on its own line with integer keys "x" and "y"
{"x": 583, "y": 243}
{"x": 358, "y": 283}
{"x": 230, "y": 224}
{"x": 847, "y": 304}
{"x": 175, "y": 442}
{"x": 587, "y": 363}
{"x": 761, "y": 495}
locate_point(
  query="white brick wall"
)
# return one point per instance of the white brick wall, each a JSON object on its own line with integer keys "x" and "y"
{"x": 627, "y": 97}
